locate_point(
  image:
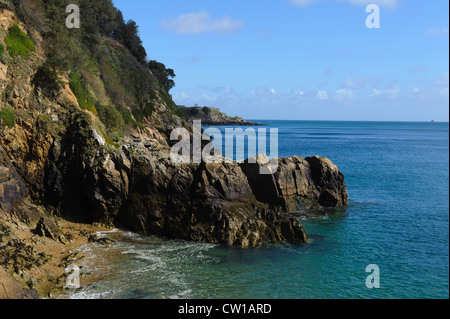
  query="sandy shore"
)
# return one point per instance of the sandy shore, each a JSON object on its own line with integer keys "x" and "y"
{"x": 29, "y": 261}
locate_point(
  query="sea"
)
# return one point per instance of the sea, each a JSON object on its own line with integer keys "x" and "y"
{"x": 390, "y": 242}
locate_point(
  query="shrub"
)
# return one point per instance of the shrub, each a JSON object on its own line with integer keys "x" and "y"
{"x": 138, "y": 115}
{"x": 7, "y": 117}
{"x": 164, "y": 75}
{"x": 83, "y": 97}
{"x": 113, "y": 121}
{"x": 126, "y": 115}
{"x": 18, "y": 43}
{"x": 7, "y": 92}
{"x": 47, "y": 79}
{"x": 149, "y": 109}
{"x": 128, "y": 119}
{"x": 2, "y": 53}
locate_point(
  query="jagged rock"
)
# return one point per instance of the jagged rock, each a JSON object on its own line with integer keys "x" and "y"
{"x": 329, "y": 182}
{"x": 228, "y": 203}
{"x": 100, "y": 240}
{"x": 213, "y": 116}
{"x": 298, "y": 181}
{"x": 12, "y": 189}
{"x": 46, "y": 227}
{"x": 71, "y": 258}
{"x": 4, "y": 175}
{"x": 11, "y": 289}
{"x": 17, "y": 256}
{"x": 140, "y": 188}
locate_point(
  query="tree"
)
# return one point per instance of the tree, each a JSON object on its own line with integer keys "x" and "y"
{"x": 128, "y": 35}
{"x": 47, "y": 79}
{"x": 164, "y": 75}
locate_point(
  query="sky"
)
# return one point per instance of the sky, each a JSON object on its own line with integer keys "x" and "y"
{"x": 302, "y": 59}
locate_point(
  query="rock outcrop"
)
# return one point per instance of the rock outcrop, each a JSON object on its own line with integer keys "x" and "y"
{"x": 11, "y": 289}
{"x": 298, "y": 183}
{"x": 139, "y": 188}
{"x": 213, "y": 116}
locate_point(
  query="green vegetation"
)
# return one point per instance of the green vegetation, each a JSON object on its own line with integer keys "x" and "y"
{"x": 167, "y": 99}
{"x": 7, "y": 117}
{"x": 128, "y": 119}
{"x": 2, "y": 53}
{"x": 46, "y": 78}
{"x": 138, "y": 115}
{"x": 4, "y": 4}
{"x": 149, "y": 109}
{"x": 83, "y": 97}
{"x": 18, "y": 43}
{"x": 126, "y": 115}
{"x": 113, "y": 121}
{"x": 6, "y": 94}
{"x": 107, "y": 138}
{"x": 164, "y": 75}
{"x": 105, "y": 58}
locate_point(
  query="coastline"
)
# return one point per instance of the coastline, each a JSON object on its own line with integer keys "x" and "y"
{"x": 33, "y": 267}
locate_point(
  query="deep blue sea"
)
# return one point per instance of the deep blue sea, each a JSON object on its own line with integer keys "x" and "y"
{"x": 398, "y": 219}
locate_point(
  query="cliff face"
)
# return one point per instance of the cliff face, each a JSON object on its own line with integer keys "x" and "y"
{"x": 86, "y": 138}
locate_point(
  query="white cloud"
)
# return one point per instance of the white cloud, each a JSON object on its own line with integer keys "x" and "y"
{"x": 359, "y": 83}
{"x": 428, "y": 100}
{"x": 443, "y": 80}
{"x": 344, "y": 95}
{"x": 201, "y": 22}
{"x": 298, "y": 92}
{"x": 181, "y": 96}
{"x": 393, "y": 92}
{"x": 376, "y": 92}
{"x": 263, "y": 92}
{"x": 322, "y": 95}
{"x": 437, "y": 31}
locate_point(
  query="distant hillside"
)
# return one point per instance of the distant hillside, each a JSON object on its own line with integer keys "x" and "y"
{"x": 213, "y": 116}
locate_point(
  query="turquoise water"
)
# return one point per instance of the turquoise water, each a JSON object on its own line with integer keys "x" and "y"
{"x": 398, "y": 218}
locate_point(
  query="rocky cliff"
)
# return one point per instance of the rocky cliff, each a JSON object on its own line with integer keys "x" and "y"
{"x": 84, "y": 137}
{"x": 213, "y": 116}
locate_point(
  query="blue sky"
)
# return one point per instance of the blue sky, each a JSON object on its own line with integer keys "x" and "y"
{"x": 302, "y": 59}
